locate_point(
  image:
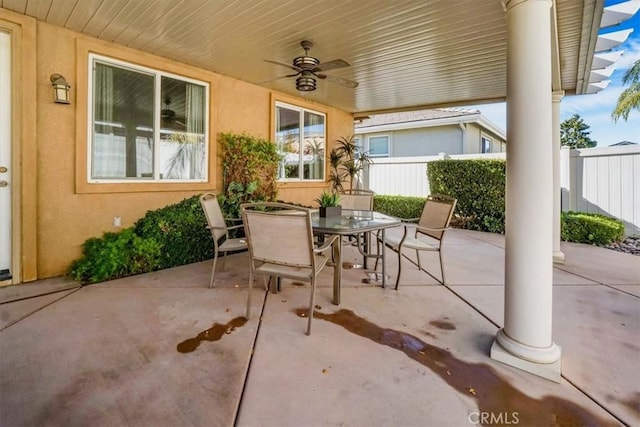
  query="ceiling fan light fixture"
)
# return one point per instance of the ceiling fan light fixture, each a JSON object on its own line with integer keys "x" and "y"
{"x": 305, "y": 84}
{"x": 305, "y": 62}
{"x": 307, "y": 70}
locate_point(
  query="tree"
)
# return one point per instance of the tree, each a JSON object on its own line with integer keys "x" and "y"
{"x": 629, "y": 99}
{"x": 574, "y": 133}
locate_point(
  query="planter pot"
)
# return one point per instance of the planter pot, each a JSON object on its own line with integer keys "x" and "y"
{"x": 330, "y": 211}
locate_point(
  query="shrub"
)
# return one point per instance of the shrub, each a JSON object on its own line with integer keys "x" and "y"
{"x": 180, "y": 230}
{"x": 115, "y": 255}
{"x": 399, "y": 206}
{"x": 595, "y": 229}
{"x": 248, "y": 160}
{"x": 236, "y": 195}
{"x": 479, "y": 186}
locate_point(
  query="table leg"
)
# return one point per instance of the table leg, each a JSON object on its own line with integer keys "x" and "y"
{"x": 337, "y": 269}
{"x": 384, "y": 273}
{"x": 365, "y": 238}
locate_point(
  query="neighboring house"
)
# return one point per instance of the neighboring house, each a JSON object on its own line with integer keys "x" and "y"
{"x": 429, "y": 132}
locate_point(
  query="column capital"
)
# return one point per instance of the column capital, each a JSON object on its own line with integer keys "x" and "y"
{"x": 557, "y": 95}
{"x": 507, "y": 4}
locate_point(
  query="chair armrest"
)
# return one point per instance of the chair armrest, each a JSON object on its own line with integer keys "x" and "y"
{"x": 225, "y": 228}
{"x": 233, "y": 227}
{"x": 426, "y": 228}
{"x": 327, "y": 244}
{"x": 409, "y": 221}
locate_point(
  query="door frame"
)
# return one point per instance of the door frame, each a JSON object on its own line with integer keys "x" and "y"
{"x": 22, "y": 30}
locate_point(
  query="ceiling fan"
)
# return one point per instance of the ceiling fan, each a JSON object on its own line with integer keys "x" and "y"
{"x": 308, "y": 69}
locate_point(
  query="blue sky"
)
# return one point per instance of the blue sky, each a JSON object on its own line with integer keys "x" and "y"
{"x": 596, "y": 109}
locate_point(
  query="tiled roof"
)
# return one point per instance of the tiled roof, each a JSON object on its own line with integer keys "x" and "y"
{"x": 414, "y": 116}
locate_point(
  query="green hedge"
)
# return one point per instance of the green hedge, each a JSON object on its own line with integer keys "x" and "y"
{"x": 479, "y": 186}
{"x": 181, "y": 231}
{"x": 115, "y": 255}
{"x": 595, "y": 229}
{"x": 399, "y": 206}
{"x": 576, "y": 227}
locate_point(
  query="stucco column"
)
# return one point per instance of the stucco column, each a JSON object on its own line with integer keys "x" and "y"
{"x": 558, "y": 255}
{"x": 525, "y": 341}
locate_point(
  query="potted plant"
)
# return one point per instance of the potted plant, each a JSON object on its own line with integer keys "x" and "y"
{"x": 329, "y": 204}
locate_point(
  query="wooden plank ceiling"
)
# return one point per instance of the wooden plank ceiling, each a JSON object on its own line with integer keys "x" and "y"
{"x": 405, "y": 54}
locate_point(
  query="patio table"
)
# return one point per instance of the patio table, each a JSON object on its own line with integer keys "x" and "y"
{"x": 352, "y": 222}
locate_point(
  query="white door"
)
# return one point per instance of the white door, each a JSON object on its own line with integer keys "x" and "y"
{"x": 5, "y": 156}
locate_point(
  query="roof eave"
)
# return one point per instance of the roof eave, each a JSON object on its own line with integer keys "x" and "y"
{"x": 591, "y": 18}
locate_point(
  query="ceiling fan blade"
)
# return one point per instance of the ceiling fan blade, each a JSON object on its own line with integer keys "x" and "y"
{"x": 277, "y": 78}
{"x": 331, "y": 65}
{"x": 293, "y": 67}
{"x": 343, "y": 82}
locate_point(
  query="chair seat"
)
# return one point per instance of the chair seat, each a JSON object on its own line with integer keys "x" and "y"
{"x": 233, "y": 245}
{"x": 410, "y": 243}
{"x": 426, "y": 234}
{"x": 292, "y": 272}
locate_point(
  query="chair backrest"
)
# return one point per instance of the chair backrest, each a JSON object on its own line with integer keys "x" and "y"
{"x": 437, "y": 213}
{"x": 279, "y": 233}
{"x": 357, "y": 199}
{"x": 213, "y": 213}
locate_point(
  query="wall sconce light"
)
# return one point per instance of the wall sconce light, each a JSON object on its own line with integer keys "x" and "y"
{"x": 60, "y": 89}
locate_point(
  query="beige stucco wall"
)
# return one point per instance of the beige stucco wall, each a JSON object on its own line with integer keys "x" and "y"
{"x": 68, "y": 210}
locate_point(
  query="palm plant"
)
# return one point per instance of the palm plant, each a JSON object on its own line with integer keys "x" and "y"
{"x": 629, "y": 99}
{"x": 334, "y": 176}
{"x": 347, "y": 161}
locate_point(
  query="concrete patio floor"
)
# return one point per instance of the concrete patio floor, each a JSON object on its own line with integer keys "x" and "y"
{"x": 161, "y": 349}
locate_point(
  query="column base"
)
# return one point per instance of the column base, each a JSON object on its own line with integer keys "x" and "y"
{"x": 551, "y": 371}
{"x": 558, "y": 257}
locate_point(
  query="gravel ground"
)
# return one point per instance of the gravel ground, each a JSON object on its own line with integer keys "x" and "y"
{"x": 630, "y": 245}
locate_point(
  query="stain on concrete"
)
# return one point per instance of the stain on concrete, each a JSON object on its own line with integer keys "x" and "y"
{"x": 479, "y": 381}
{"x": 443, "y": 324}
{"x": 633, "y": 403}
{"x": 214, "y": 333}
{"x": 427, "y": 333}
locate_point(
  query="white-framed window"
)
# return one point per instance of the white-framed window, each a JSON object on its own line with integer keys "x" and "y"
{"x": 485, "y": 144}
{"x": 379, "y": 146}
{"x": 145, "y": 125}
{"x": 300, "y": 138}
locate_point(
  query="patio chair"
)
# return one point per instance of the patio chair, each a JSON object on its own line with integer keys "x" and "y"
{"x": 428, "y": 234}
{"x": 361, "y": 200}
{"x": 219, "y": 231}
{"x": 357, "y": 199}
{"x": 281, "y": 245}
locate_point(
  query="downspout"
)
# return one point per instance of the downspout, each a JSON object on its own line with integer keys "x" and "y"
{"x": 464, "y": 137}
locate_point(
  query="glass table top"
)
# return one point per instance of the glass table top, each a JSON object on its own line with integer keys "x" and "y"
{"x": 352, "y": 221}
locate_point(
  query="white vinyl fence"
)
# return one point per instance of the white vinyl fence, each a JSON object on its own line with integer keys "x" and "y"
{"x": 603, "y": 180}
{"x": 594, "y": 180}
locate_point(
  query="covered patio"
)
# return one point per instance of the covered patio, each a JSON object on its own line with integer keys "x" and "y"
{"x": 404, "y": 55}
{"x": 162, "y": 349}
